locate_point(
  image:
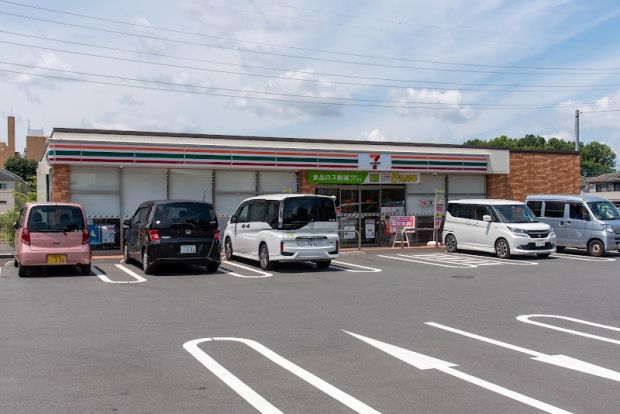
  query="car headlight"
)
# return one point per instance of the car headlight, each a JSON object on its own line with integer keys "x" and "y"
{"x": 608, "y": 228}
{"x": 551, "y": 233}
{"x": 518, "y": 232}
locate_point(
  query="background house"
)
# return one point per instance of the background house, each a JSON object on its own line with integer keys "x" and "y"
{"x": 607, "y": 186}
{"x": 8, "y": 183}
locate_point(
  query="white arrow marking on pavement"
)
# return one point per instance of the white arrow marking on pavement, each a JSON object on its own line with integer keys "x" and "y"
{"x": 254, "y": 398}
{"x": 558, "y": 360}
{"x": 527, "y": 319}
{"x": 261, "y": 274}
{"x": 424, "y": 362}
{"x": 100, "y": 275}
{"x": 367, "y": 268}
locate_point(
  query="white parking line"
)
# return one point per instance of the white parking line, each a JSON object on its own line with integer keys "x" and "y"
{"x": 409, "y": 259}
{"x": 425, "y": 362}
{"x": 494, "y": 260}
{"x": 251, "y": 396}
{"x": 557, "y": 360}
{"x": 527, "y": 319}
{"x": 584, "y": 258}
{"x": 261, "y": 274}
{"x": 103, "y": 277}
{"x": 368, "y": 269}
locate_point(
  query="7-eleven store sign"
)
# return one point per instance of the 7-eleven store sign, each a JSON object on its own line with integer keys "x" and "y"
{"x": 375, "y": 162}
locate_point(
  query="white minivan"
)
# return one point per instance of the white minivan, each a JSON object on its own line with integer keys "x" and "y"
{"x": 284, "y": 228}
{"x": 503, "y": 227}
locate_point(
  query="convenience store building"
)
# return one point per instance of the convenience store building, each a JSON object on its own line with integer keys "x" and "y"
{"x": 111, "y": 172}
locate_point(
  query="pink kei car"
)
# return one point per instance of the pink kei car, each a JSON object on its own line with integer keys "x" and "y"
{"x": 52, "y": 234}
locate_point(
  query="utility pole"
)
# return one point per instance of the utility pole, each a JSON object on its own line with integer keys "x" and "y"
{"x": 577, "y": 130}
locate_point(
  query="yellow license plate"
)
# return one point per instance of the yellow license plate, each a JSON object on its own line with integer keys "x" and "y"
{"x": 56, "y": 259}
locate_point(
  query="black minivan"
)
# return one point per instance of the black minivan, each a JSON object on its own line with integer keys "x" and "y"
{"x": 173, "y": 231}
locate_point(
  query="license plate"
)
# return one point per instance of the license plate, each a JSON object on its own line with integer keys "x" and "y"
{"x": 312, "y": 243}
{"x": 54, "y": 259}
{"x": 540, "y": 243}
{"x": 188, "y": 249}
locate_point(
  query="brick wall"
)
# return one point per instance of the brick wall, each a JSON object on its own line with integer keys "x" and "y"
{"x": 60, "y": 176}
{"x": 304, "y": 186}
{"x": 35, "y": 148}
{"x": 536, "y": 173}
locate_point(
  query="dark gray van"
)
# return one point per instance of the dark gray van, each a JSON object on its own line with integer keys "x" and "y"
{"x": 580, "y": 221}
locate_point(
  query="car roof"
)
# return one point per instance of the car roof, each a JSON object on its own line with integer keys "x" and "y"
{"x": 485, "y": 201}
{"x": 564, "y": 197}
{"x": 36, "y": 204}
{"x": 279, "y": 197}
{"x": 170, "y": 201}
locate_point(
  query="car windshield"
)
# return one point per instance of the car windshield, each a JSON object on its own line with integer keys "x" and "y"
{"x": 299, "y": 211}
{"x": 55, "y": 218}
{"x": 515, "y": 213}
{"x": 604, "y": 210}
{"x": 184, "y": 213}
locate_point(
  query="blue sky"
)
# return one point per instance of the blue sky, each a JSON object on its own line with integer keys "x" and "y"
{"x": 447, "y": 70}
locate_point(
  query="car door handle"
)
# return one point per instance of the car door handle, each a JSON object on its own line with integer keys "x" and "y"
{"x": 569, "y": 222}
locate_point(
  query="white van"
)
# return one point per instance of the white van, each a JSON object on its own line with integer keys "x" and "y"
{"x": 284, "y": 228}
{"x": 580, "y": 221}
{"x": 503, "y": 227}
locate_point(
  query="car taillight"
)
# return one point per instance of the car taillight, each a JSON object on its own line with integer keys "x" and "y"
{"x": 216, "y": 234}
{"x": 154, "y": 235}
{"x": 26, "y": 236}
{"x": 85, "y": 236}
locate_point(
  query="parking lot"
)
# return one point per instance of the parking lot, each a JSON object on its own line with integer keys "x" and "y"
{"x": 394, "y": 331}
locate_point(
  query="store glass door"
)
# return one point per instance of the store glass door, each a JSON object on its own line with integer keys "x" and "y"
{"x": 370, "y": 215}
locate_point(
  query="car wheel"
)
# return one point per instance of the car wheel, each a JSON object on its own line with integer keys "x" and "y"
{"x": 23, "y": 271}
{"x": 147, "y": 267}
{"x": 15, "y": 263}
{"x": 126, "y": 257}
{"x": 228, "y": 249}
{"x": 263, "y": 256}
{"x": 596, "y": 248}
{"x": 85, "y": 269}
{"x": 450, "y": 243}
{"x": 212, "y": 267}
{"x": 502, "y": 249}
{"x": 323, "y": 264}
{"x": 543, "y": 255}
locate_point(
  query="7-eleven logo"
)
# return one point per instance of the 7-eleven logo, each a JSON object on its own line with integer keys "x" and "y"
{"x": 375, "y": 162}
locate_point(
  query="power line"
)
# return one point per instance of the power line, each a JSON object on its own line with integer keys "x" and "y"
{"x": 185, "y": 32}
{"x": 116, "y": 49}
{"x": 244, "y": 50}
{"x": 296, "y": 101}
{"x": 598, "y": 112}
{"x": 292, "y": 78}
{"x": 449, "y": 106}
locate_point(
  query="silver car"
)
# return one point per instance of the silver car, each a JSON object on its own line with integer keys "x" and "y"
{"x": 579, "y": 221}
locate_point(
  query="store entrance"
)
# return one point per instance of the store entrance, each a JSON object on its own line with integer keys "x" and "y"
{"x": 364, "y": 211}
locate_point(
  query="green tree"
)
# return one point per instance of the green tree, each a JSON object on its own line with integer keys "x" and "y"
{"x": 22, "y": 167}
{"x": 24, "y": 193}
{"x": 597, "y": 159}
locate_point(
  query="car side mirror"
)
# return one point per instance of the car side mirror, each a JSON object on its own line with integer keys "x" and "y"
{"x": 127, "y": 223}
{"x": 487, "y": 218}
{"x": 15, "y": 225}
{"x": 233, "y": 219}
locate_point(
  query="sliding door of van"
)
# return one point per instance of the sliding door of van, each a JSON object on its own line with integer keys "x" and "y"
{"x": 554, "y": 215}
{"x": 577, "y": 225}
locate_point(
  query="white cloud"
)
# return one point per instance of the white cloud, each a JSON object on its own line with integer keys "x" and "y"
{"x": 129, "y": 100}
{"x": 432, "y": 103}
{"x": 373, "y": 135}
{"x": 288, "y": 83}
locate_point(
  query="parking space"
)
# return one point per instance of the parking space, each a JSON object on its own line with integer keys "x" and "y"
{"x": 380, "y": 332}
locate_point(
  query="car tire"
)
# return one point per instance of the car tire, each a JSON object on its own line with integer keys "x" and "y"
{"x": 323, "y": 264}
{"x": 85, "y": 269}
{"x": 126, "y": 258}
{"x": 228, "y": 249}
{"x": 147, "y": 267}
{"x": 543, "y": 255}
{"x": 23, "y": 271}
{"x": 596, "y": 248}
{"x": 212, "y": 267}
{"x": 502, "y": 249}
{"x": 15, "y": 263}
{"x": 263, "y": 258}
{"x": 451, "y": 245}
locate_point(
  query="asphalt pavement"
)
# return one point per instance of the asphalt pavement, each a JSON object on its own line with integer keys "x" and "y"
{"x": 389, "y": 331}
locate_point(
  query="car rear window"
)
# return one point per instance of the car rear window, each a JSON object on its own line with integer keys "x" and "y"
{"x": 55, "y": 218}
{"x": 299, "y": 211}
{"x": 196, "y": 213}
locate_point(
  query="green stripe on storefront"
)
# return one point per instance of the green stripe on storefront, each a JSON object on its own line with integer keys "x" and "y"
{"x": 158, "y": 155}
{"x": 338, "y": 161}
{"x": 252, "y": 158}
{"x": 207, "y": 157}
{"x": 294, "y": 159}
